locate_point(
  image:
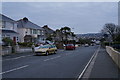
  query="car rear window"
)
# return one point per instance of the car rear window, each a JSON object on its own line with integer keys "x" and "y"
{"x": 44, "y": 47}
{"x": 70, "y": 45}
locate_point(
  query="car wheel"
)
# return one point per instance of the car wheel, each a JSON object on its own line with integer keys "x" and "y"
{"x": 55, "y": 52}
{"x": 36, "y": 54}
{"x": 47, "y": 53}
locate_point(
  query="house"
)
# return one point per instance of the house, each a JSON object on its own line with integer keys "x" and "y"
{"x": 29, "y": 32}
{"x": 59, "y": 36}
{"x": 8, "y": 28}
{"x": 48, "y": 31}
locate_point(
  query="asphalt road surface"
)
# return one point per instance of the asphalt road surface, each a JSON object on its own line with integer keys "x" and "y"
{"x": 64, "y": 64}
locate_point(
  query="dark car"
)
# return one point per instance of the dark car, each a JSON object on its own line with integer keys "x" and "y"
{"x": 70, "y": 47}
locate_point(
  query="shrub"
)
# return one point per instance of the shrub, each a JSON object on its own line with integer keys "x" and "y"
{"x": 25, "y": 44}
{"x": 105, "y": 44}
{"x": 8, "y": 41}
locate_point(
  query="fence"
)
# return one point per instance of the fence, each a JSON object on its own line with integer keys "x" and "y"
{"x": 8, "y": 50}
{"x": 115, "y": 55}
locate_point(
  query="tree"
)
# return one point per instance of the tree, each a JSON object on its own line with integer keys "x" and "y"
{"x": 53, "y": 35}
{"x": 59, "y": 35}
{"x": 65, "y": 31}
{"x": 49, "y": 38}
{"x": 110, "y": 29}
{"x": 117, "y": 38}
{"x": 73, "y": 35}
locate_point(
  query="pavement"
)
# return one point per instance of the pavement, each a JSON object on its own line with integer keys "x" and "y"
{"x": 103, "y": 68}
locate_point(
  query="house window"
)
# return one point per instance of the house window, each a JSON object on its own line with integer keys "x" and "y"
{"x": 13, "y": 26}
{"x": 42, "y": 33}
{"x": 8, "y": 36}
{"x": 3, "y": 24}
{"x": 34, "y": 31}
{"x": 31, "y": 31}
{"x": 38, "y": 31}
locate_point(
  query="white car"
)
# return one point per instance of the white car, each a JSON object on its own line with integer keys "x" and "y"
{"x": 86, "y": 45}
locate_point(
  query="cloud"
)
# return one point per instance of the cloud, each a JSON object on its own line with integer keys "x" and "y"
{"x": 84, "y": 17}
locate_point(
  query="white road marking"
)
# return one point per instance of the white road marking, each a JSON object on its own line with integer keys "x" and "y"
{"x": 52, "y": 58}
{"x": 15, "y": 58}
{"x": 80, "y": 76}
{"x": 14, "y": 69}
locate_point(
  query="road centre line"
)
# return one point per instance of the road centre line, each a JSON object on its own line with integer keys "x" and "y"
{"x": 52, "y": 58}
{"x": 85, "y": 68}
{"x": 14, "y": 69}
{"x": 16, "y": 58}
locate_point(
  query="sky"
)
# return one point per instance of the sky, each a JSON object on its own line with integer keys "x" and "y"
{"x": 81, "y": 17}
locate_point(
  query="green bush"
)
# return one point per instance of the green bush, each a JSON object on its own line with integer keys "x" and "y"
{"x": 25, "y": 44}
{"x": 115, "y": 42}
{"x": 8, "y": 41}
{"x": 109, "y": 43}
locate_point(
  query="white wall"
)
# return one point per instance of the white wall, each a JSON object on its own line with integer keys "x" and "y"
{"x": 15, "y": 27}
{"x": 21, "y": 32}
{"x": 9, "y": 25}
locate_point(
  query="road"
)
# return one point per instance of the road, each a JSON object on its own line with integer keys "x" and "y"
{"x": 64, "y": 64}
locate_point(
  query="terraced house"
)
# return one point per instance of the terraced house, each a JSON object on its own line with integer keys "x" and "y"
{"x": 30, "y": 32}
{"x": 9, "y": 29}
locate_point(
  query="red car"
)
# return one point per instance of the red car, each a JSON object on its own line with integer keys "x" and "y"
{"x": 70, "y": 47}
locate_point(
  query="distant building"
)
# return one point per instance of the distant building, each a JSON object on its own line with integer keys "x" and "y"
{"x": 90, "y": 35}
{"x": 30, "y": 32}
{"x": 9, "y": 28}
{"x": 59, "y": 35}
{"x": 48, "y": 31}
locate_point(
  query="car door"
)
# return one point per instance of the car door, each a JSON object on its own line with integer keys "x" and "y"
{"x": 50, "y": 49}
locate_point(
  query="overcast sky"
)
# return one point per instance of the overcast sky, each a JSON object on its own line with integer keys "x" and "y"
{"x": 82, "y": 17}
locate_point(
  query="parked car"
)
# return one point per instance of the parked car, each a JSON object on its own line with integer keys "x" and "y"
{"x": 45, "y": 49}
{"x": 86, "y": 45}
{"x": 76, "y": 45}
{"x": 70, "y": 47}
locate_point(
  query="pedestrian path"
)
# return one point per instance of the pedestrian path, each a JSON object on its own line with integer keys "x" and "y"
{"x": 104, "y": 67}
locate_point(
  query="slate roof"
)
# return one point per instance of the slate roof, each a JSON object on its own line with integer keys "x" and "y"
{"x": 5, "y": 18}
{"x": 27, "y": 24}
{"x": 48, "y": 30}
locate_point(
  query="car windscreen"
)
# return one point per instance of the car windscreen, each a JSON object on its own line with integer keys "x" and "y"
{"x": 44, "y": 46}
{"x": 52, "y": 46}
{"x": 69, "y": 45}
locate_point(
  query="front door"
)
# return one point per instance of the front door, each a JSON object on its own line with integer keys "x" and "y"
{"x": 14, "y": 39}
